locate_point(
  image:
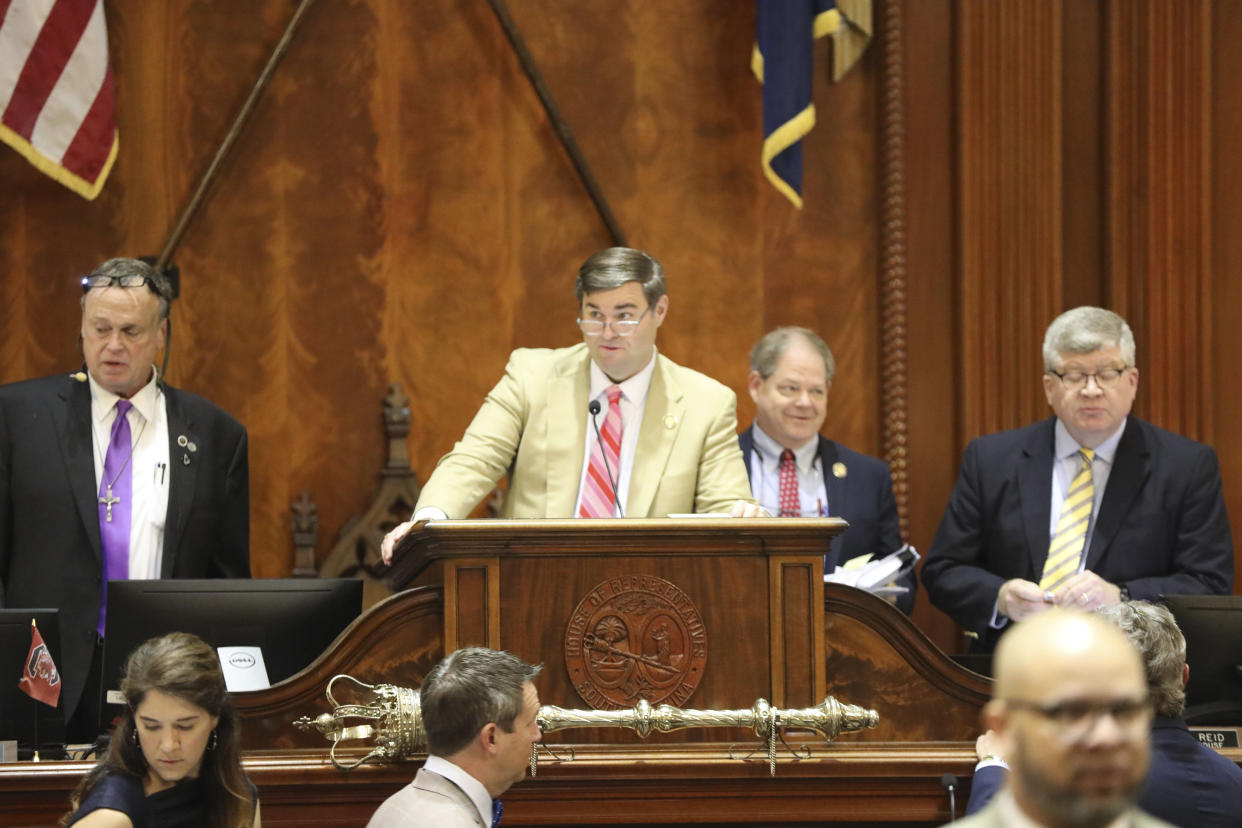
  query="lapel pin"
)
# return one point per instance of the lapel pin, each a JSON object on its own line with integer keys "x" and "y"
{"x": 181, "y": 441}
{"x": 185, "y": 459}
{"x": 838, "y": 470}
{"x": 670, "y": 421}
{"x": 79, "y": 376}
{"x": 192, "y": 446}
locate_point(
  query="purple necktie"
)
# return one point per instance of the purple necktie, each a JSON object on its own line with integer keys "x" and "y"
{"x": 116, "y": 487}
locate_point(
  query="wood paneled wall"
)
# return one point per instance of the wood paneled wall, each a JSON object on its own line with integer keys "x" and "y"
{"x": 399, "y": 210}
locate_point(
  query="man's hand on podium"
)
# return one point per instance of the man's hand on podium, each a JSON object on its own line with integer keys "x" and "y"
{"x": 391, "y": 539}
{"x": 746, "y": 509}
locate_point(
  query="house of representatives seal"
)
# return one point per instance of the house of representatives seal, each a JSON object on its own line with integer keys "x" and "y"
{"x": 635, "y": 637}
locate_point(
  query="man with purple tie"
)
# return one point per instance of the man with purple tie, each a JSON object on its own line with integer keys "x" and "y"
{"x": 110, "y": 473}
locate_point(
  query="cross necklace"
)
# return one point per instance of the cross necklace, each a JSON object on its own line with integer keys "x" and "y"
{"x": 109, "y": 500}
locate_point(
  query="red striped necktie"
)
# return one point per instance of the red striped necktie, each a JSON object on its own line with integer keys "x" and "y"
{"x": 598, "y": 497}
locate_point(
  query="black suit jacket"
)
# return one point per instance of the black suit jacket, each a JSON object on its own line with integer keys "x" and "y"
{"x": 864, "y": 498}
{"x": 1189, "y": 784}
{"x": 50, "y": 552}
{"x": 1161, "y": 529}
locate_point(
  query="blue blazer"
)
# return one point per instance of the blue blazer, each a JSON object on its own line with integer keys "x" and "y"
{"x": 1161, "y": 529}
{"x": 864, "y": 498}
{"x": 1189, "y": 784}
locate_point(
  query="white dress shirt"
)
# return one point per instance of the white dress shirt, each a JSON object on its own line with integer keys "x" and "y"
{"x": 633, "y": 401}
{"x": 148, "y": 428}
{"x": 765, "y": 475}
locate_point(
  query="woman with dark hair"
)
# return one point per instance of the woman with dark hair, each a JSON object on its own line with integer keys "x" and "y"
{"x": 174, "y": 760}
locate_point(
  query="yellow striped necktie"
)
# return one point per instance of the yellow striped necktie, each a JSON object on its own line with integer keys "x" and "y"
{"x": 1065, "y": 551}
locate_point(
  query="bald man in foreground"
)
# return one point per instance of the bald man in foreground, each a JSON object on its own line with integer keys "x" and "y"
{"x": 1073, "y": 715}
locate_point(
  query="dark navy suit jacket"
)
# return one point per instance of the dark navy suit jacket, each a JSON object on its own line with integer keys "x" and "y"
{"x": 1161, "y": 529}
{"x": 50, "y": 552}
{"x": 1189, "y": 784}
{"x": 864, "y": 498}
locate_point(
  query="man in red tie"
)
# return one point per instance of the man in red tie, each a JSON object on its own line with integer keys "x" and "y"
{"x": 797, "y": 472}
{"x": 667, "y": 434}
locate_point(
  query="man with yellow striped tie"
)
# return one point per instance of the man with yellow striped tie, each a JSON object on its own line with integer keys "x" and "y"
{"x": 1088, "y": 508}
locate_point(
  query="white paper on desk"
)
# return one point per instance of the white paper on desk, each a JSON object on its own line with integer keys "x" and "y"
{"x": 243, "y": 668}
{"x": 874, "y": 575}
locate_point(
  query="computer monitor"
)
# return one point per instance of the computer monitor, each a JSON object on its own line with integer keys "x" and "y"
{"x": 21, "y": 717}
{"x": 293, "y": 620}
{"x": 1212, "y": 625}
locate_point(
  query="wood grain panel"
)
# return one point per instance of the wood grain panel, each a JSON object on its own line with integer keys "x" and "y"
{"x": 1160, "y": 237}
{"x": 399, "y": 210}
{"x": 1226, "y": 221}
{"x": 1010, "y": 166}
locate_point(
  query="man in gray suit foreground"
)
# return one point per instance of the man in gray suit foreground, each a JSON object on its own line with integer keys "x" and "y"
{"x": 1073, "y": 715}
{"x": 479, "y": 708}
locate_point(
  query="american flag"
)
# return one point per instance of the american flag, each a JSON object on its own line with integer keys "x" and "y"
{"x": 56, "y": 89}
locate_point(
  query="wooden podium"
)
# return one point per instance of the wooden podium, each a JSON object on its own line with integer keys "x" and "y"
{"x": 697, "y": 613}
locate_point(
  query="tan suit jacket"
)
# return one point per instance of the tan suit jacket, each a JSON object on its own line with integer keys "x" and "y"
{"x": 532, "y": 426}
{"x": 993, "y": 816}
{"x": 430, "y": 801}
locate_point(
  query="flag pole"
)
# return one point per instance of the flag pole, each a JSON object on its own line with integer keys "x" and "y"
{"x": 34, "y": 703}
{"x": 558, "y": 121}
{"x": 239, "y": 122}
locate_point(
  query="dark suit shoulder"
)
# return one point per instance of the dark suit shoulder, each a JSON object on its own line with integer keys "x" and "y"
{"x": 202, "y": 410}
{"x": 42, "y": 387}
{"x": 1157, "y": 439}
{"x": 1033, "y": 437}
{"x": 852, "y": 459}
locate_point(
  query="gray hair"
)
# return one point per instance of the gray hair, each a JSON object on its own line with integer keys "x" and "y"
{"x": 133, "y": 267}
{"x": 1152, "y": 629}
{"x": 468, "y": 689}
{"x": 1084, "y": 330}
{"x": 613, "y": 267}
{"x": 771, "y": 347}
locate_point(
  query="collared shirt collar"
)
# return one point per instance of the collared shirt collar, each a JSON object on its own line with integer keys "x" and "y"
{"x": 633, "y": 389}
{"x": 470, "y": 786}
{"x": 1066, "y": 446}
{"x": 145, "y": 400}
{"x": 805, "y": 455}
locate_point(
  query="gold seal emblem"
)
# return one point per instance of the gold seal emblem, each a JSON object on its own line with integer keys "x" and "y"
{"x": 635, "y": 637}
{"x": 838, "y": 470}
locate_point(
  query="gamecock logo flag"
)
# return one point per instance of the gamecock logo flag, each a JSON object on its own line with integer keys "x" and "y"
{"x": 40, "y": 678}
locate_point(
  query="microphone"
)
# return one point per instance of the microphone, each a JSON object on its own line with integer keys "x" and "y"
{"x": 593, "y": 408}
{"x": 949, "y": 783}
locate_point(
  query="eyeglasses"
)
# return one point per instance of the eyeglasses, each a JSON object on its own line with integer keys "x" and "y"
{"x": 1077, "y": 380}
{"x": 133, "y": 280}
{"x": 621, "y": 327}
{"x": 1077, "y": 717}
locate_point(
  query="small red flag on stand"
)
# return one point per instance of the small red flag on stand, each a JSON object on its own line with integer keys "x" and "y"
{"x": 40, "y": 678}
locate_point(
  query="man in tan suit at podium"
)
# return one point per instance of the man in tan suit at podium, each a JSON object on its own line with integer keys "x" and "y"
{"x": 479, "y": 708}
{"x": 667, "y": 439}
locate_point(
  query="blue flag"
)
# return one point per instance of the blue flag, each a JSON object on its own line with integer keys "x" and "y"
{"x": 783, "y": 61}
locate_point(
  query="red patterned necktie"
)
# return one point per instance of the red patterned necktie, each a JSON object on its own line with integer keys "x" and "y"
{"x": 791, "y": 503}
{"x": 598, "y": 497}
